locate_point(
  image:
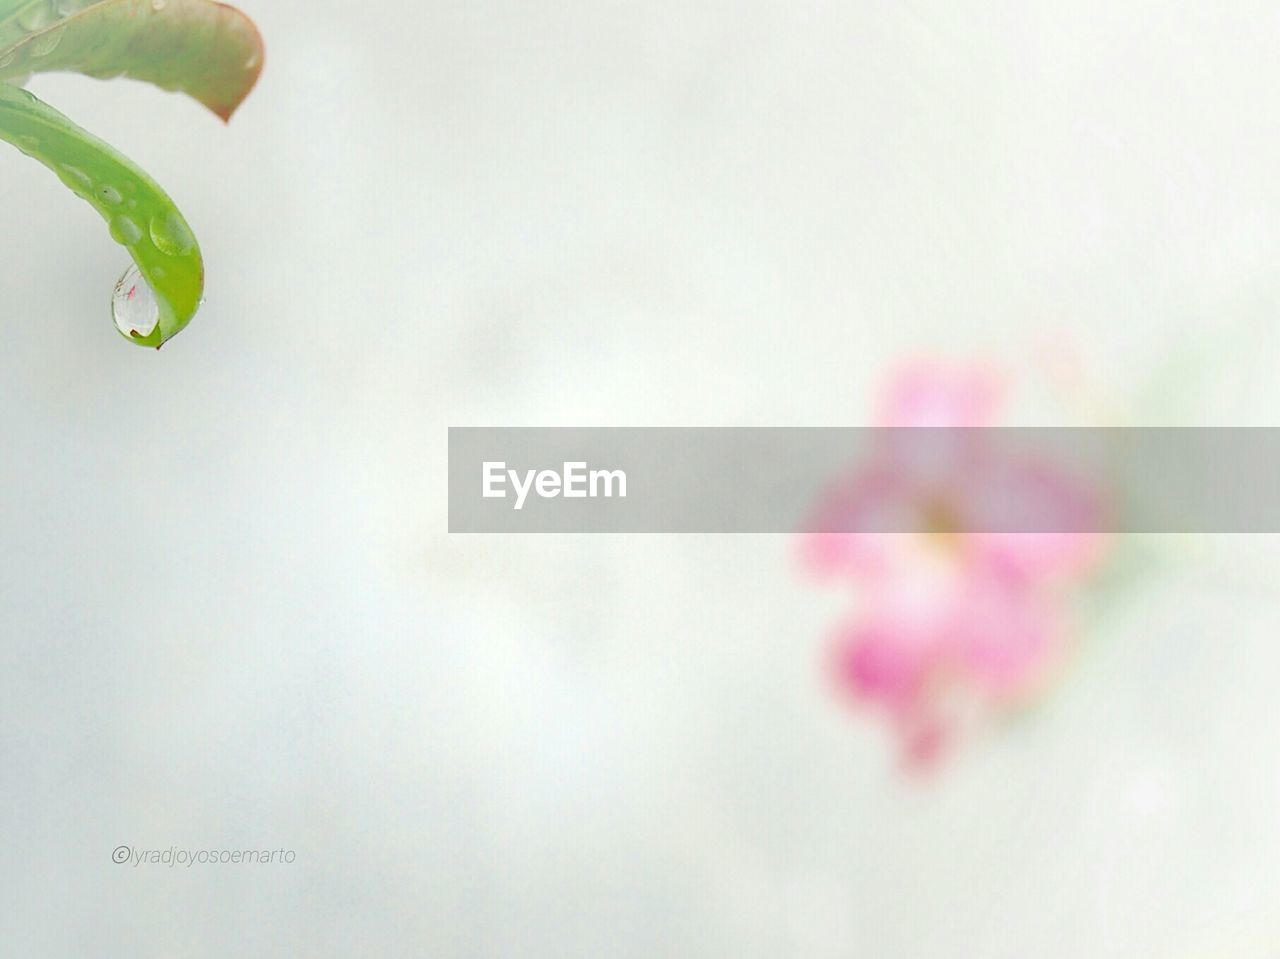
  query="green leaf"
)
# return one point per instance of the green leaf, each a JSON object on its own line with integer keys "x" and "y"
{"x": 208, "y": 50}
{"x": 139, "y": 214}
{"x": 21, "y": 18}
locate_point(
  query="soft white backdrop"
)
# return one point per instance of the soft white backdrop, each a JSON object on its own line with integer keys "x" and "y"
{"x": 230, "y": 615}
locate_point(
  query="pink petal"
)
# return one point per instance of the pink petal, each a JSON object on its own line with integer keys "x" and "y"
{"x": 1007, "y": 636}
{"x": 885, "y": 658}
{"x": 924, "y": 739}
{"x": 857, "y": 522}
{"x": 927, "y": 393}
{"x": 1031, "y": 521}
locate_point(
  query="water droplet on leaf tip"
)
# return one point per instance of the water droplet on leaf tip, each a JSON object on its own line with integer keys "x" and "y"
{"x": 134, "y": 307}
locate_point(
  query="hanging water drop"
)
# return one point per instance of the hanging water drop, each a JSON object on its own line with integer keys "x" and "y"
{"x": 133, "y": 305}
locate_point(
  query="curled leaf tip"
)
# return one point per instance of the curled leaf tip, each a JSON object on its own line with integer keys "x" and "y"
{"x": 250, "y": 67}
{"x": 159, "y": 295}
{"x": 204, "y": 48}
{"x": 209, "y": 50}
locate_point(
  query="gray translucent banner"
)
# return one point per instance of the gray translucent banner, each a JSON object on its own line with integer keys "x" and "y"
{"x": 782, "y": 480}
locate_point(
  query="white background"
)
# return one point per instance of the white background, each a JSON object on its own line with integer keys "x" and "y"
{"x": 230, "y": 615}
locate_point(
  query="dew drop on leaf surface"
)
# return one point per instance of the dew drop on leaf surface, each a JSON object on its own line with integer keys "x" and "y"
{"x": 171, "y": 235}
{"x": 133, "y": 305}
{"x": 36, "y": 16}
{"x": 46, "y": 43}
{"x": 80, "y": 183}
{"x": 124, "y": 230}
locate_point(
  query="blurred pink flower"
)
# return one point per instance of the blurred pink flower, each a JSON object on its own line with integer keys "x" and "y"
{"x": 965, "y": 554}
